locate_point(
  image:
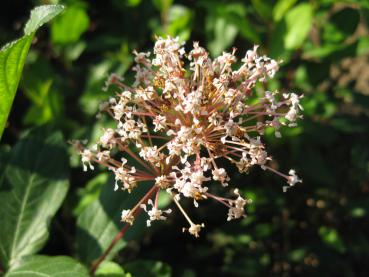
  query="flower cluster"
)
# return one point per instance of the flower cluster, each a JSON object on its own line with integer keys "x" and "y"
{"x": 176, "y": 122}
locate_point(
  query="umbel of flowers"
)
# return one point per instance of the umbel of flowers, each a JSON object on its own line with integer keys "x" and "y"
{"x": 178, "y": 119}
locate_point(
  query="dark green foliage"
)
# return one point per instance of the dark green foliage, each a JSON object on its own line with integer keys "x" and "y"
{"x": 318, "y": 228}
{"x": 38, "y": 265}
{"x": 33, "y": 187}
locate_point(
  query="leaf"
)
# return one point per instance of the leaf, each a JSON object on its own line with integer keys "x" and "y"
{"x": 179, "y": 21}
{"x": 4, "y": 157}
{"x": 100, "y": 222}
{"x": 90, "y": 192}
{"x": 346, "y": 20}
{"x": 13, "y": 56}
{"x": 40, "y": 16}
{"x": 69, "y": 27}
{"x": 298, "y": 23}
{"x": 331, "y": 237}
{"x": 34, "y": 186}
{"x": 162, "y": 5}
{"x": 110, "y": 269}
{"x": 281, "y": 8}
{"x": 223, "y": 24}
{"x": 341, "y": 25}
{"x": 46, "y": 266}
{"x": 148, "y": 268}
{"x": 224, "y": 35}
{"x": 263, "y": 8}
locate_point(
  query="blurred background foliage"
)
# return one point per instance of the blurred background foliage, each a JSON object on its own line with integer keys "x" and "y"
{"x": 317, "y": 228}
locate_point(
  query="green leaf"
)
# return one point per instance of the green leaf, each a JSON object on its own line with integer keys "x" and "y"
{"x": 69, "y": 27}
{"x": 41, "y": 111}
{"x": 281, "y": 8}
{"x": 90, "y": 192}
{"x": 162, "y": 5}
{"x": 4, "y": 157}
{"x": 179, "y": 21}
{"x": 148, "y": 268}
{"x": 224, "y": 35}
{"x": 41, "y": 85}
{"x": 100, "y": 222}
{"x": 110, "y": 269}
{"x": 298, "y": 23}
{"x": 263, "y": 8}
{"x": 46, "y": 266}
{"x": 331, "y": 237}
{"x": 341, "y": 25}
{"x": 40, "y": 16}
{"x": 223, "y": 24}
{"x": 13, "y": 56}
{"x": 34, "y": 186}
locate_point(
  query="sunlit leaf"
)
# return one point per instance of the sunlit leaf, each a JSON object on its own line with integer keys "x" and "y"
{"x": 40, "y": 16}
{"x": 13, "y": 57}
{"x": 224, "y": 35}
{"x": 281, "y": 8}
{"x": 298, "y": 24}
{"x": 110, "y": 269}
{"x": 69, "y": 27}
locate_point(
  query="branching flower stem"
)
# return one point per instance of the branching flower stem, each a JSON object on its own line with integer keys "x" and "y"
{"x": 135, "y": 212}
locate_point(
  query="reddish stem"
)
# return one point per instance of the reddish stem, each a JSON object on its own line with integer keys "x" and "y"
{"x": 136, "y": 212}
{"x": 96, "y": 264}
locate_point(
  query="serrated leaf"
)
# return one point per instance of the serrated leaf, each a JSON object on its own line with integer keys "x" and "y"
{"x": 298, "y": 24}
{"x": 40, "y": 16}
{"x": 100, "y": 222}
{"x": 34, "y": 186}
{"x": 46, "y": 266}
{"x": 13, "y": 56}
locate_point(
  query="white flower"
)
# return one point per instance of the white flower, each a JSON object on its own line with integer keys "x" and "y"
{"x": 154, "y": 213}
{"x": 159, "y": 123}
{"x": 151, "y": 154}
{"x": 103, "y": 155}
{"x": 107, "y": 139}
{"x": 293, "y": 178}
{"x": 295, "y": 106}
{"x": 127, "y": 216}
{"x": 195, "y": 229}
{"x": 219, "y": 174}
{"x": 162, "y": 181}
{"x": 125, "y": 177}
{"x": 237, "y": 209}
{"x": 86, "y": 157}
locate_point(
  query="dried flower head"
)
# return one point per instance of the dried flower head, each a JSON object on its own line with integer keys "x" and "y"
{"x": 177, "y": 122}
